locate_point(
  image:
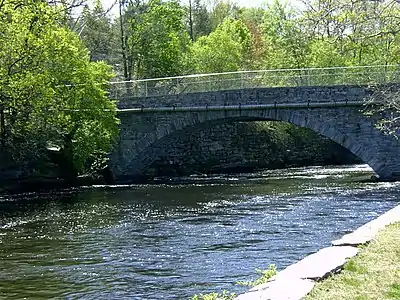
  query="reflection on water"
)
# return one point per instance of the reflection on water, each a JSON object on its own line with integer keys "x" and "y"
{"x": 172, "y": 241}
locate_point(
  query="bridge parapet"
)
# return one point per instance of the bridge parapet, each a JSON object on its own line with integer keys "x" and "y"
{"x": 250, "y": 97}
{"x": 243, "y": 80}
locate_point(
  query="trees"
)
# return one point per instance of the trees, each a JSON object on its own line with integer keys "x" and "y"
{"x": 160, "y": 40}
{"x": 154, "y": 39}
{"x": 96, "y": 32}
{"x": 286, "y": 41}
{"x": 50, "y": 91}
{"x": 199, "y": 20}
{"x": 253, "y": 18}
{"x": 221, "y": 10}
{"x": 362, "y": 32}
{"x": 225, "y": 49}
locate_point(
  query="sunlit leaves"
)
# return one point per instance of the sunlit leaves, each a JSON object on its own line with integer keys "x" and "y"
{"x": 49, "y": 89}
{"x": 225, "y": 49}
{"x": 157, "y": 39}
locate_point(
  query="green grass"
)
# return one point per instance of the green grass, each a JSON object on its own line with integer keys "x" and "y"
{"x": 264, "y": 276}
{"x": 373, "y": 274}
{"x": 225, "y": 295}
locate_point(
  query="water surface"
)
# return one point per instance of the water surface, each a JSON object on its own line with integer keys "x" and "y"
{"x": 173, "y": 241}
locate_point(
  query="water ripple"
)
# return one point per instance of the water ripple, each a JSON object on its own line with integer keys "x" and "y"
{"x": 173, "y": 241}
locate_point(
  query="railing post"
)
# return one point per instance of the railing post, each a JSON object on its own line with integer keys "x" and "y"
{"x": 385, "y": 75}
{"x": 177, "y": 85}
{"x": 128, "y": 87}
{"x": 112, "y": 92}
{"x": 146, "y": 88}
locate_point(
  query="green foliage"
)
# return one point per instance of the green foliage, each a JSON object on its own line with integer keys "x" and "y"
{"x": 229, "y": 38}
{"x": 286, "y": 41}
{"x": 225, "y": 295}
{"x": 222, "y": 10}
{"x": 200, "y": 20}
{"x": 96, "y": 32}
{"x": 264, "y": 276}
{"x": 157, "y": 39}
{"x": 362, "y": 33}
{"x": 223, "y": 50}
{"x": 394, "y": 292}
{"x": 323, "y": 53}
{"x": 50, "y": 92}
{"x": 251, "y": 15}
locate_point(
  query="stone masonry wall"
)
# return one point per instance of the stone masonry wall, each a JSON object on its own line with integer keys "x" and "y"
{"x": 254, "y": 96}
{"x": 335, "y": 112}
{"x": 244, "y": 146}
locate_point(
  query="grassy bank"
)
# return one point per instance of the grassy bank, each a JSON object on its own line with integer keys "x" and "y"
{"x": 373, "y": 274}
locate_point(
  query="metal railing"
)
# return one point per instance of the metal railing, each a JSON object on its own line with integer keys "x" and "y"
{"x": 358, "y": 75}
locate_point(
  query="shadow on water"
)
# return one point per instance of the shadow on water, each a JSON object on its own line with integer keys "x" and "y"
{"x": 169, "y": 241}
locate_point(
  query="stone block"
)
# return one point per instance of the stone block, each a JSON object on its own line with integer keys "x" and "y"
{"x": 320, "y": 264}
{"x": 284, "y": 289}
{"x": 369, "y": 231}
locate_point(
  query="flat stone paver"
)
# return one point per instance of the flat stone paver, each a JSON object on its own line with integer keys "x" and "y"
{"x": 369, "y": 231}
{"x": 320, "y": 264}
{"x": 288, "y": 289}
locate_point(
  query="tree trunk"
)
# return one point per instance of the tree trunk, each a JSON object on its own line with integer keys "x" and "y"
{"x": 191, "y": 21}
{"x": 3, "y": 128}
{"x": 123, "y": 48}
{"x": 66, "y": 163}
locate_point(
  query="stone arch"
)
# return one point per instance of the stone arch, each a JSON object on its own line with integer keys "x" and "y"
{"x": 346, "y": 126}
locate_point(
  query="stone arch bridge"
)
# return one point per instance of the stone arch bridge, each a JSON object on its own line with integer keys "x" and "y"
{"x": 334, "y": 111}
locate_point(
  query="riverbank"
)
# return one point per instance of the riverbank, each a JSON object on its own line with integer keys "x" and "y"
{"x": 365, "y": 274}
{"x": 373, "y": 274}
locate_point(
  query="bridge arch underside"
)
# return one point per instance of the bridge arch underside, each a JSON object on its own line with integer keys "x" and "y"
{"x": 346, "y": 126}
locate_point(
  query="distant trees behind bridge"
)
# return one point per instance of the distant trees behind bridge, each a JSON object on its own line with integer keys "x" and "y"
{"x": 154, "y": 38}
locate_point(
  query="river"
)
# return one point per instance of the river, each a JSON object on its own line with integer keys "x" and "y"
{"x": 171, "y": 241}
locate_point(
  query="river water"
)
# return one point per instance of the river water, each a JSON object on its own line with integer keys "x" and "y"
{"x": 171, "y": 241}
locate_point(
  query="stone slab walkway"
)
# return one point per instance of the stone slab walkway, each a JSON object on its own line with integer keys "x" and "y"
{"x": 280, "y": 290}
{"x": 297, "y": 280}
{"x": 368, "y": 232}
{"x": 319, "y": 265}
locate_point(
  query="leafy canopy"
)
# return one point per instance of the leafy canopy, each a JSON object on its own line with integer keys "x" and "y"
{"x": 223, "y": 50}
{"x": 50, "y": 91}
